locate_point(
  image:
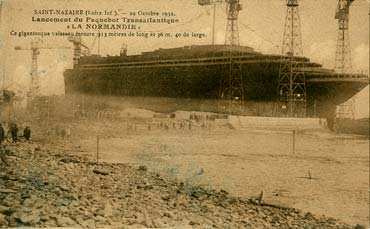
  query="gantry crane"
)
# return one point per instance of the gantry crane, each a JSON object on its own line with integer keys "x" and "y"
{"x": 81, "y": 49}
{"x": 343, "y": 62}
{"x": 231, "y": 86}
{"x": 343, "y": 53}
{"x": 77, "y": 49}
{"x": 291, "y": 92}
{"x": 35, "y": 47}
{"x": 232, "y": 10}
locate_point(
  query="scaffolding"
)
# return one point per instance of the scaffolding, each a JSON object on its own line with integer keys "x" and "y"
{"x": 292, "y": 83}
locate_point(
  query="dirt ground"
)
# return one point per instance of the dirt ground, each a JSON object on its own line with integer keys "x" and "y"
{"x": 327, "y": 174}
{"x": 47, "y": 184}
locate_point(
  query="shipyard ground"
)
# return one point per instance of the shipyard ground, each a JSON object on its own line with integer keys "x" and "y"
{"x": 54, "y": 181}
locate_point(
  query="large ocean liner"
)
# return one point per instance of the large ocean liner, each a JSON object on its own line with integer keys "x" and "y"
{"x": 193, "y": 73}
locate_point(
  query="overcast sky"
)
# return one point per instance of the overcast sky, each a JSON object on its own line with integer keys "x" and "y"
{"x": 261, "y": 25}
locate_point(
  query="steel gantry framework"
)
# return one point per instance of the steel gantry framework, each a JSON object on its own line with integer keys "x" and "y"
{"x": 232, "y": 31}
{"x": 343, "y": 60}
{"x": 291, "y": 82}
{"x": 35, "y": 47}
{"x": 232, "y": 10}
{"x": 231, "y": 86}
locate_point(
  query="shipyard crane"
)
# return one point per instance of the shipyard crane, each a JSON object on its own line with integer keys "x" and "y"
{"x": 343, "y": 52}
{"x": 77, "y": 49}
{"x": 232, "y": 10}
{"x": 231, "y": 86}
{"x": 35, "y": 47}
{"x": 291, "y": 92}
{"x": 78, "y": 45}
{"x": 343, "y": 62}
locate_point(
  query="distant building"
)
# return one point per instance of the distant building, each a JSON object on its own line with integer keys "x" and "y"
{"x": 6, "y": 106}
{"x": 20, "y": 95}
{"x": 6, "y": 97}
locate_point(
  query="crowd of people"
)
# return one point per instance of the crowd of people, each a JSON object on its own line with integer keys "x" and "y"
{"x": 12, "y": 135}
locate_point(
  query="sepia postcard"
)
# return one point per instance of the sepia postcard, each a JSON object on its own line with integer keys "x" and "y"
{"x": 184, "y": 114}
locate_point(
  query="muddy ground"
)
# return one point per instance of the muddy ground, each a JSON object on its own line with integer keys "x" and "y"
{"x": 246, "y": 163}
{"x": 326, "y": 175}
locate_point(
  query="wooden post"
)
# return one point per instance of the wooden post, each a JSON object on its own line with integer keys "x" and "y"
{"x": 260, "y": 198}
{"x": 293, "y": 141}
{"x": 47, "y": 112}
{"x": 97, "y": 149}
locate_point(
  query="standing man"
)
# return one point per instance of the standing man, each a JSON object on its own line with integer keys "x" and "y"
{"x": 27, "y": 133}
{"x": 14, "y": 132}
{"x": 2, "y": 147}
{"x": 2, "y": 135}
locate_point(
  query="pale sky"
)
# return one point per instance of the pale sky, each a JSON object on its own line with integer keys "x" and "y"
{"x": 261, "y": 26}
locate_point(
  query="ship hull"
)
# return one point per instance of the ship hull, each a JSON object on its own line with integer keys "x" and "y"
{"x": 199, "y": 79}
{"x": 202, "y": 84}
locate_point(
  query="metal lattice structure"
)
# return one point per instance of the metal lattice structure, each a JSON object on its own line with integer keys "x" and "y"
{"x": 35, "y": 47}
{"x": 292, "y": 83}
{"x": 77, "y": 49}
{"x": 34, "y": 89}
{"x": 231, "y": 86}
{"x": 232, "y": 32}
{"x": 343, "y": 62}
{"x": 232, "y": 10}
{"x": 35, "y": 82}
{"x": 347, "y": 109}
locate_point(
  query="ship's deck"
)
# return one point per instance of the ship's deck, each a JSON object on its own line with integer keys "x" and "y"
{"x": 337, "y": 77}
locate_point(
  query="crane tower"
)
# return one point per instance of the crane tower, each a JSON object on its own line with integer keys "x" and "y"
{"x": 343, "y": 62}
{"x": 82, "y": 49}
{"x": 35, "y": 47}
{"x": 231, "y": 86}
{"x": 232, "y": 9}
{"x": 232, "y": 31}
{"x": 291, "y": 83}
{"x": 77, "y": 49}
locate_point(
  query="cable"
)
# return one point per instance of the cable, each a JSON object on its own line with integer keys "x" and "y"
{"x": 253, "y": 31}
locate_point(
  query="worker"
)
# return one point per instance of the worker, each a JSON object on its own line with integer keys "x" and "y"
{"x": 2, "y": 135}
{"x": 27, "y": 133}
{"x": 2, "y": 155}
{"x": 14, "y": 132}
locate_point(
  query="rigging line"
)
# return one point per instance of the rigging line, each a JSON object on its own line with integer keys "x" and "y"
{"x": 253, "y": 31}
{"x": 206, "y": 12}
